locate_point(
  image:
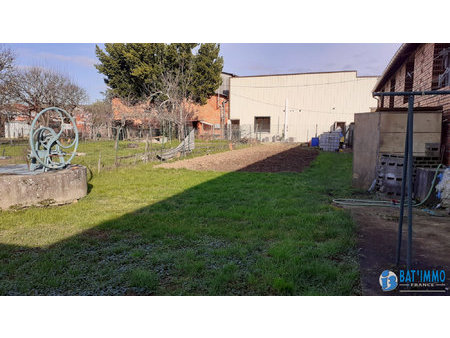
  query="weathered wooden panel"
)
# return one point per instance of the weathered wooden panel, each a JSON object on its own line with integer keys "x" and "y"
{"x": 394, "y": 143}
{"x": 422, "y": 184}
{"x": 424, "y": 122}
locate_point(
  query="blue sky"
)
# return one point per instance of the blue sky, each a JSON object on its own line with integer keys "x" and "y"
{"x": 77, "y": 59}
{"x": 268, "y": 58}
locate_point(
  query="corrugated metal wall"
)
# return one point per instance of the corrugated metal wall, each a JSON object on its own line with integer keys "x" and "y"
{"x": 315, "y": 98}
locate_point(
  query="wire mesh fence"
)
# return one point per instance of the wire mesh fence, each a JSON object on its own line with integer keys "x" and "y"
{"x": 269, "y": 132}
{"x": 244, "y": 133}
{"x": 102, "y": 155}
{"x": 124, "y": 148}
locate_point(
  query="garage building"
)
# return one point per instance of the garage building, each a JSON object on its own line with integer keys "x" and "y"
{"x": 314, "y": 101}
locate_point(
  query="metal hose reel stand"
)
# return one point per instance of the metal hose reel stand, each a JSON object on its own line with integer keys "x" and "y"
{"x": 51, "y": 147}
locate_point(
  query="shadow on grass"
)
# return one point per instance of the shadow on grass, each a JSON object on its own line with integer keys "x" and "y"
{"x": 242, "y": 233}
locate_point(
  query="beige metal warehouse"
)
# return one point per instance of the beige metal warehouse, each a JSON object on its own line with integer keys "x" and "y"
{"x": 314, "y": 100}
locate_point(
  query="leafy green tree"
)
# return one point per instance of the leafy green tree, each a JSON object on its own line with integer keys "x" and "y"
{"x": 207, "y": 69}
{"x": 131, "y": 69}
{"x": 136, "y": 70}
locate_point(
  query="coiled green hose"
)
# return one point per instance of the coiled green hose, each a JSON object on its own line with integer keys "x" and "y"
{"x": 373, "y": 203}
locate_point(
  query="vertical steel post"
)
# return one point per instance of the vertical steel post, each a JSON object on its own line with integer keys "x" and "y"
{"x": 285, "y": 119}
{"x": 403, "y": 193}
{"x": 410, "y": 178}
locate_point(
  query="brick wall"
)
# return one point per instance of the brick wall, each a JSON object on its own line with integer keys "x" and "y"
{"x": 210, "y": 112}
{"x": 423, "y": 70}
{"x": 121, "y": 110}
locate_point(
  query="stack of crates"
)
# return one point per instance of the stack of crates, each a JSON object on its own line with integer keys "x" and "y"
{"x": 329, "y": 141}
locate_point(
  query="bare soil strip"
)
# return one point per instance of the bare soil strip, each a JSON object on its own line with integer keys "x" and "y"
{"x": 377, "y": 239}
{"x": 277, "y": 157}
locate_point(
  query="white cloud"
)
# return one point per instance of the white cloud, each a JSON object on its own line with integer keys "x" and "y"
{"x": 42, "y": 56}
{"x": 79, "y": 59}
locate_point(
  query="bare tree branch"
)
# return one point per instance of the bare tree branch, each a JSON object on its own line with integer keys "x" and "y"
{"x": 7, "y": 58}
{"x": 39, "y": 88}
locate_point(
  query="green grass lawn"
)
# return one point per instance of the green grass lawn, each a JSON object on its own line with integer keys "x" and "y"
{"x": 143, "y": 230}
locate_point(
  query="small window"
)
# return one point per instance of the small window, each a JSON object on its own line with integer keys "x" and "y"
{"x": 382, "y": 100}
{"x": 441, "y": 66}
{"x": 444, "y": 77}
{"x": 391, "y": 98}
{"x": 262, "y": 124}
{"x": 409, "y": 77}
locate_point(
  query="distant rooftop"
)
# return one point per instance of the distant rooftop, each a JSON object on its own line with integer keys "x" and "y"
{"x": 308, "y": 73}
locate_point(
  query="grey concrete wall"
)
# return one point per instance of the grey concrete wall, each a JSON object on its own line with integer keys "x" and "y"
{"x": 366, "y": 138}
{"x": 55, "y": 187}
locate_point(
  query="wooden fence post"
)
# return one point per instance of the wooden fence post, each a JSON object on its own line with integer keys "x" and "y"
{"x": 99, "y": 165}
{"x": 151, "y": 141}
{"x": 146, "y": 150}
{"x": 116, "y": 147}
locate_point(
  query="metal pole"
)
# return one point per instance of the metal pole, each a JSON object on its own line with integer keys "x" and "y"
{"x": 285, "y": 118}
{"x": 9, "y": 128}
{"x": 403, "y": 191}
{"x": 402, "y": 199}
{"x": 410, "y": 178}
{"x": 278, "y": 127}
